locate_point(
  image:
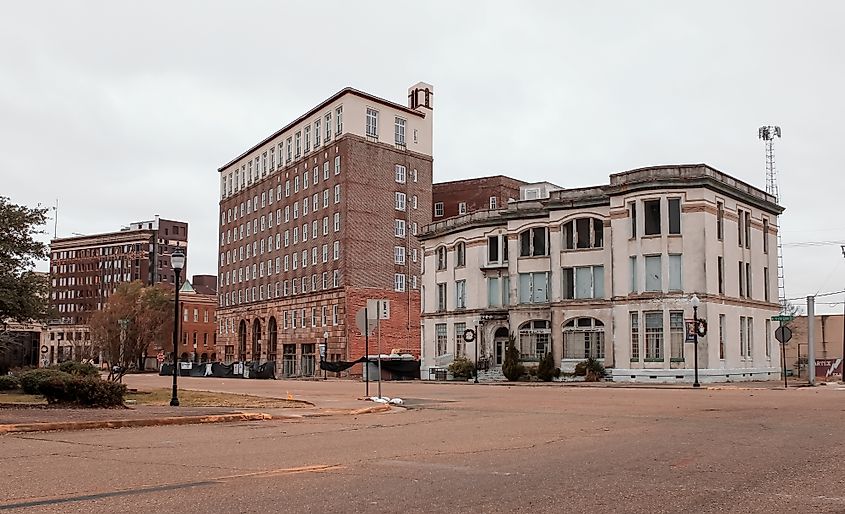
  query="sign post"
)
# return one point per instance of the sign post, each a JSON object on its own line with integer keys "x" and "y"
{"x": 365, "y": 325}
{"x": 783, "y": 334}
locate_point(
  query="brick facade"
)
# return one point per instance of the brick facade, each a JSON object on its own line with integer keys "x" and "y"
{"x": 475, "y": 193}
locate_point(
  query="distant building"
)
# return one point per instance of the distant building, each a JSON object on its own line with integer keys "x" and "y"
{"x": 608, "y": 272}
{"x": 198, "y": 301}
{"x": 459, "y": 197}
{"x": 85, "y": 271}
{"x": 316, "y": 219}
{"x": 828, "y": 336}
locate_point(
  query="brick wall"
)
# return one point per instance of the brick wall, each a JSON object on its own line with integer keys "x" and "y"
{"x": 475, "y": 192}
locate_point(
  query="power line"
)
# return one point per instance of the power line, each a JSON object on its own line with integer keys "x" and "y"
{"x": 831, "y": 293}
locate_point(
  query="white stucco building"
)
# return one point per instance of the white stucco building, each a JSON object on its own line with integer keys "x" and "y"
{"x": 608, "y": 272}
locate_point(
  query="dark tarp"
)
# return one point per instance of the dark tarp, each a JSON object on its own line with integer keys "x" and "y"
{"x": 338, "y": 366}
{"x": 219, "y": 370}
{"x": 402, "y": 368}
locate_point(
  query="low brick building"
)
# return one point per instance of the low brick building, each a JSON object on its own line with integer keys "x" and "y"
{"x": 198, "y": 300}
{"x": 459, "y": 197}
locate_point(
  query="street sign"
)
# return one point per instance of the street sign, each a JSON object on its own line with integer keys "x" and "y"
{"x": 362, "y": 326}
{"x": 379, "y": 309}
{"x": 160, "y": 357}
{"x": 786, "y": 318}
{"x": 323, "y": 351}
{"x": 783, "y": 334}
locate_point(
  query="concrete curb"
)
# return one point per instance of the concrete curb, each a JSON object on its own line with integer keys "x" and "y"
{"x": 602, "y": 385}
{"x": 177, "y": 420}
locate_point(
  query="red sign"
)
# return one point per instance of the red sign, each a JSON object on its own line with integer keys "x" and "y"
{"x": 828, "y": 367}
{"x": 160, "y": 357}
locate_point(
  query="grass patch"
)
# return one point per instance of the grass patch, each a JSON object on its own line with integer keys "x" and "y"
{"x": 210, "y": 399}
{"x": 19, "y": 397}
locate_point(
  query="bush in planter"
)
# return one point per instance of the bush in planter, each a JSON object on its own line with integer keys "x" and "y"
{"x": 546, "y": 369}
{"x": 592, "y": 369}
{"x": 84, "y": 391}
{"x": 83, "y": 369}
{"x": 462, "y": 367}
{"x": 9, "y": 382}
{"x": 511, "y": 367}
{"x": 31, "y": 380}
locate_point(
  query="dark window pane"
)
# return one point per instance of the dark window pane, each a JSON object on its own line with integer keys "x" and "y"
{"x": 568, "y": 236}
{"x": 539, "y": 241}
{"x": 525, "y": 244}
{"x": 598, "y": 233}
{"x": 582, "y": 226}
{"x": 493, "y": 249}
{"x": 652, "y": 217}
{"x": 674, "y": 215}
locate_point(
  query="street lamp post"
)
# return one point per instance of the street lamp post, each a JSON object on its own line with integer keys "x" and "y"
{"x": 325, "y": 351}
{"x": 177, "y": 262}
{"x": 695, "y": 303}
{"x": 843, "y": 329}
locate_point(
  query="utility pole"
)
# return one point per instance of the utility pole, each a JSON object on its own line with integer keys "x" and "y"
{"x": 378, "y": 327}
{"x": 811, "y": 339}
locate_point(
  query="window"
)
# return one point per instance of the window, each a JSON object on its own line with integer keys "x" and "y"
{"x": 653, "y": 273}
{"x": 632, "y": 213}
{"x": 337, "y": 222}
{"x": 674, "y": 215}
{"x": 441, "y": 297}
{"x": 494, "y": 293}
{"x": 635, "y": 336}
{"x": 298, "y": 139}
{"x": 399, "y": 228}
{"x": 722, "y": 336}
{"x": 336, "y": 250}
{"x": 462, "y": 207}
{"x": 720, "y": 220}
{"x": 494, "y": 204}
{"x": 328, "y": 130}
{"x": 441, "y": 253}
{"x": 414, "y": 201}
{"x": 399, "y": 131}
{"x": 440, "y": 338}
{"x": 316, "y": 133}
{"x": 399, "y": 255}
{"x": 399, "y": 201}
{"x": 676, "y": 335}
{"x": 743, "y": 341}
{"x": 765, "y": 235}
{"x": 654, "y": 336}
{"x": 534, "y": 340}
{"x": 652, "y": 217}
{"x": 532, "y": 242}
{"x": 460, "y": 294}
{"x": 460, "y": 255}
{"x": 460, "y": 344}
{"x": 307, "y": 139}
{"x": 400, "y": 173}
{"x": 372, "y": 123}
{"x": 768, "y": 338}
{"x": 583, "y": 338}
{"x": 334, "y": 314}
{"x": 741, "y": 276}
{"x": 533, "y": 287}
{"x": 337, "y": 193}
{"x": 438, "y": 209}
{"x": 399, "y": 282}
{"x": 748, "y": 289}
{"x": 583, "y": 233}
{"x": 765, "y": 283}
{"x": 721, "y": 274}
{"x": 632, "y": 265}
{"x": 339, "y": 120}
{"x": 583, "y": 282}
{"x": 675, "y": 273}
{"x": 497, "y": 249}
{"x": 747, "y": 229}
{"x": 337, "y": 165}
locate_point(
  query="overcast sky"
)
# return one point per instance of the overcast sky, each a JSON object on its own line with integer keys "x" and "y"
{"x": 126, "y": 110}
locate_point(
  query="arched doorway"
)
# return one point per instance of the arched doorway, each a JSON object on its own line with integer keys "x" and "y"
{"x": 204, "y": 358}
{"x": 272, "y": 339}
{"x": 256, "y": 340}
{"x": 500, "y": 343}
{"x": 242, "y": 341}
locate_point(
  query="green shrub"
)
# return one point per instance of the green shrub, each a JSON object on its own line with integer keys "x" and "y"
{"x": 84, "y": 391}
{"x": 462, "y": 367}
{"x": 31, "y": 380}
{"x": 592, "y": 369}
{"x": 82, "y": 369}
{"x": 9, "y": 382}
{"x": 511, "y": 367}
{"x": 546, "y": 369}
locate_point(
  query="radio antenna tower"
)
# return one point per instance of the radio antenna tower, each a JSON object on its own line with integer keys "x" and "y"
{"x": 768, "y": 135}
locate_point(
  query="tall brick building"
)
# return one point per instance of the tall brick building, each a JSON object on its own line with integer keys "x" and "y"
{"x": 85, "y": 271}
{"x": 459, "y": 197}
{"x": 319, "y": 217}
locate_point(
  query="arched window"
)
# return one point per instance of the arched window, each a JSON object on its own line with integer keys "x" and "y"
{"x": 534, "y": 242}
{"x": 242, "y": 341}
{"x": 256, "y": 340}
{"x": 441, "y": 254}
{"x": 272, "y": 339}
{"x": 583, "y": 233}
{"x": 460, "y": 255}
{"x": 534, "y": 340}
{"x": 583, "y": 338}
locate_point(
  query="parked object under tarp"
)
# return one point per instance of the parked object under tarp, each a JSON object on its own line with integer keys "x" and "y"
{"x": 266, "y": 370}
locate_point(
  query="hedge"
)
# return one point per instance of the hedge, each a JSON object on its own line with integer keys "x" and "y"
{"x": 85, "y": 391}
{"x": 9, "y": 382}
{"x": 31, "y": 380}
{"x": 79, "y": 368}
